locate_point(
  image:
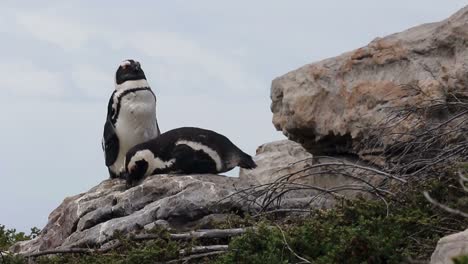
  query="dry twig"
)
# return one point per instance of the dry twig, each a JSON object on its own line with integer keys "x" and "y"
{"x": 209, "y": 234}
{"x": 196, "y": 256}
{"x": 203, "y": 249}
{"x": 444, "y": 207}
{"x": 289, "y": 248}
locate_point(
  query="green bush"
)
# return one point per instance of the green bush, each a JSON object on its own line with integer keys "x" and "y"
{"x": 130, "y": 252}
{"x": 9, "y": 236}
{"x": 360, "y": 231}
{"x": 461, "y": 260}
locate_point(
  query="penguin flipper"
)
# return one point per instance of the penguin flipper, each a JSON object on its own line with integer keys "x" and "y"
{"x": 110, "y": 143}
{"x": 157, "y": 126}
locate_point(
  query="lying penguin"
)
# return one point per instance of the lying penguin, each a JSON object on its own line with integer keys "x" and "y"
{"x": 184, "y": 150}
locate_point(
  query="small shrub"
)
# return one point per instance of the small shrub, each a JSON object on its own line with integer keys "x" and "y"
{"x": 360, "y": 231}
{"x": 8, "y": 237}
{"x": 460, "y": 260}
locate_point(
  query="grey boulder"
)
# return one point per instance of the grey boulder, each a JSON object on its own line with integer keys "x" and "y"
{"x": 91, "y": 218}
{"x": 449, "y": 247}
{"x": 329, "y": 105}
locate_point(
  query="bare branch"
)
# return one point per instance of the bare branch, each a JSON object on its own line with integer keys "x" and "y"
{"x": 208, "y": 234}
{"x": 444, "y": 207}
{"x": 284, "y": 210}
{"x": 196, "y": 256}
{"x": 463, "y": 181}
{"x": 203, "y": 249}
{"x": 62, "y": 251}
{"x": 289, "y": 248}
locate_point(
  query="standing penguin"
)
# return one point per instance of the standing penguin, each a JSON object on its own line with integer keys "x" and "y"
{"x": 131, "y": 116}
{"x": 185, "y": 150}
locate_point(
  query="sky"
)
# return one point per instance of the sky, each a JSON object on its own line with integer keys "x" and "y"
{"x": 209, "y": 62}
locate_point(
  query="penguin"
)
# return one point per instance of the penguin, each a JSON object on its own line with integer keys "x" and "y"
{"x": 131, "y": 116}
{"x": 185, "y": 150}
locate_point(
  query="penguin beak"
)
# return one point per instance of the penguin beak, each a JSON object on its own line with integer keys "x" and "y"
{"x": 126, "y": 176}
{"x": 130, "y": 170}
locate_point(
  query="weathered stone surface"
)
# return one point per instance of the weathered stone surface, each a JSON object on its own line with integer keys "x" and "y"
{"x": 91, "y": 218}
{"x": 327, "y": 106}
{"x": 158, "y": 223}
{"x": 449, "y": 247}
{"x": 276, "y": 159}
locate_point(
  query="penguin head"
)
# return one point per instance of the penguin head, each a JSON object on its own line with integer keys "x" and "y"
{"x": 135, "y": 169}
{"x": 129, "y": 70}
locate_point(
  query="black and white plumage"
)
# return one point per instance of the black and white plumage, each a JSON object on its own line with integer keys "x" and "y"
{"x": 131, "y": 116}
{"x": 185, "y": 150}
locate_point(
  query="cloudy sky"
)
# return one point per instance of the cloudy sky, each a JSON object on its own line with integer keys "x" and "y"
{"x": 210, "y": 64}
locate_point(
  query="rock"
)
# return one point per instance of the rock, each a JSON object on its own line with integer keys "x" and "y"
{"x": 449, "y": 247}
{"x": 91, "y": 218}
{"x": 276, "y": 159}
{"x": 158, "y": 223}
{"x": 212, "y": 220}
{"x": 327, "y": 106}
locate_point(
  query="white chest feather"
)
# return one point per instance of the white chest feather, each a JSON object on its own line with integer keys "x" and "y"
{"x": 136, "y": 123}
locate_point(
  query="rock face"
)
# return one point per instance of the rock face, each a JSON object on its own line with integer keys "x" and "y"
{"x": 331, "y": 103}
{"x": 276, "y": 159}
{"x": 288, "y": 162}
{"x": 449, "y": 247}
{"x": 90, "y": 219}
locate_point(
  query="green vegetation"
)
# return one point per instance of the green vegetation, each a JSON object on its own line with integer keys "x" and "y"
{"x": 461, "y": 260}
{"x": 9, "y": 236}
{"x": 357, "y": 231}
{"x": 130, "y": 253}
{"x": 360, "y": 231}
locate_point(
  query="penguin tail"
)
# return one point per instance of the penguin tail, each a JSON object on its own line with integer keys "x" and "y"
{"x": 247, "y": 162}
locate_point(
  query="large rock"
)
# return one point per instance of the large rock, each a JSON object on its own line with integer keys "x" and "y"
{"x": 328, "y": 106}
{"x": 91, "y": 218}
{"x": 288, "y": 162}
{"x": 276, "y": 159}
{"x": 449, "y": 247}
